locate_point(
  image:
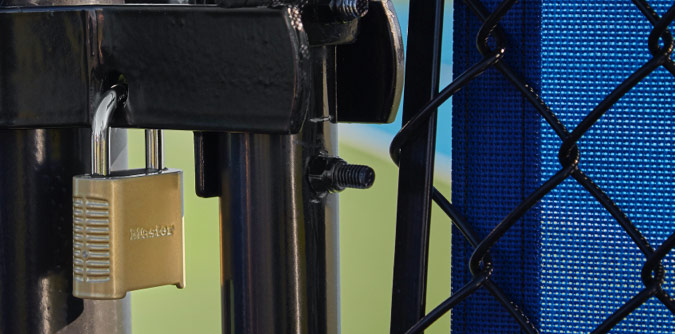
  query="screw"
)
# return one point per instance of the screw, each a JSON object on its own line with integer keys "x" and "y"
{"x": 347, "y": 10}
{"x": 353, "y": 176}
{"x": 332, "y": 174}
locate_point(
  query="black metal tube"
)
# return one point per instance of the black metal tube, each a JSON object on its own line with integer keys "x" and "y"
{"x": 36, "y": 235}
{"x": 36, "y": 228}
{"x": 279, "y": 240}
{"x": 416, "y": 166}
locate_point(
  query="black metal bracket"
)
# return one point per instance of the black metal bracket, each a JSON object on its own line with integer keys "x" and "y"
{"x": 187, "y": 67}
{"x": 204, "y": 68}
{"x": 370, "y": 71}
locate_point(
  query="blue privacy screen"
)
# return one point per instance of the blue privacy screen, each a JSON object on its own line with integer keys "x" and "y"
{"x": 567, "y": 263}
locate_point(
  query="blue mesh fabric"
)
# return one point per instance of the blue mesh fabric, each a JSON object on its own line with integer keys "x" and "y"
{"x": 494, "y": 168}
{"x": 567, "y": 263}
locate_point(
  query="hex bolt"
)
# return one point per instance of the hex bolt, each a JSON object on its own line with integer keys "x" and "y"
{"x": 332, "y": 174}
{"x": 347, "y": 10}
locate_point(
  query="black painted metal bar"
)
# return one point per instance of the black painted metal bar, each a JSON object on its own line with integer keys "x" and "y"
{"x": 278, "y": 238}
{"x": 182, "y": 71}
{"x": 416, "y": 166}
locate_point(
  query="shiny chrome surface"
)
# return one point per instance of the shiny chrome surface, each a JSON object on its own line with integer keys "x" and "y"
{"x": 154, "y": 149}
{"x": 100, "y": 132}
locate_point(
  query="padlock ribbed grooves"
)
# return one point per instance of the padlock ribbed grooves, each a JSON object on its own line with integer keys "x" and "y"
{"x": 91, "y": 240}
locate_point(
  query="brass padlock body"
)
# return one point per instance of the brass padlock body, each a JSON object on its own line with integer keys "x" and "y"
{"x": 128, "y": 232}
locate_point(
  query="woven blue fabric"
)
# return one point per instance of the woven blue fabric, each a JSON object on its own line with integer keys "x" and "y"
{"x": 567, "y": 263}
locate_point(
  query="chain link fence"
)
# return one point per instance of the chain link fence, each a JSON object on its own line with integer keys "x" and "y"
{"x": 493, "y": 44}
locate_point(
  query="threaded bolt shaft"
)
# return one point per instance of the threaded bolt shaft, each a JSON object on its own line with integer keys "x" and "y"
{"x": 353, "y": 176}
{"x": 332, "y": 174}
{"x": 347, "y": 10}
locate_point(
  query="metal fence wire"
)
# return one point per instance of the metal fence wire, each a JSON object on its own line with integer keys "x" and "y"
{"x": 418, "y": 121}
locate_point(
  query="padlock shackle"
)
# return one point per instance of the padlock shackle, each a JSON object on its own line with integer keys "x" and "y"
{"x": 154, "y": 149}
{"x": 100, "y": 129}
{"x": 100, "y": 135}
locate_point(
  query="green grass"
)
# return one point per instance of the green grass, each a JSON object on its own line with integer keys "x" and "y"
{"x": 367, "y": 231}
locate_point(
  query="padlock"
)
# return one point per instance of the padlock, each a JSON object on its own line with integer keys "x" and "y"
{"x": 127, "y": 225}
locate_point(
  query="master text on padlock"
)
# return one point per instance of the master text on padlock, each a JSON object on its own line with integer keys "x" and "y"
{"x": 140, "y": 233}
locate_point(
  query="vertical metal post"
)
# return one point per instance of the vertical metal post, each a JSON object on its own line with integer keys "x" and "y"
{"x": 36, "y": 228}
{"x": 416, "y": 167}
{"x": 279, "y": 241}
{"x": 36, "y": 169}
{"x": 36, "y": 235}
